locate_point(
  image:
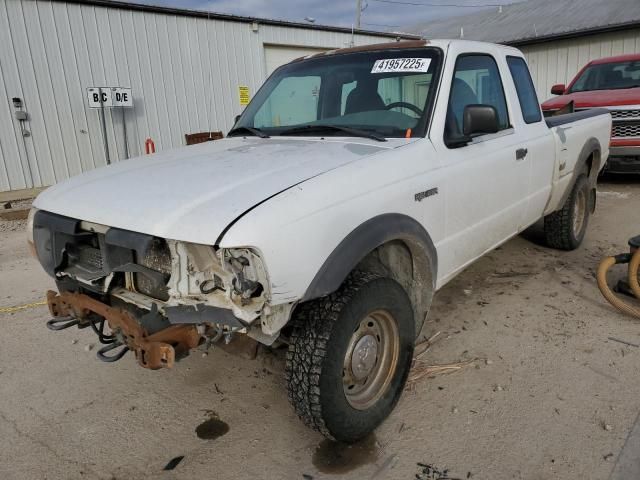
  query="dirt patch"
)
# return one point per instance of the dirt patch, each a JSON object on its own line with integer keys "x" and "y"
{"x": 212, "y": 428}
{"x": 338, "y": 458}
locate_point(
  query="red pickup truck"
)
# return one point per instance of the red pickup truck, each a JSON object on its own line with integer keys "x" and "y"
{"x": 612, "y": 83}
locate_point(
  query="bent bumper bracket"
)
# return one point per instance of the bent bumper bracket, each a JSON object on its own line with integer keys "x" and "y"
{"x": 154, "y": 351}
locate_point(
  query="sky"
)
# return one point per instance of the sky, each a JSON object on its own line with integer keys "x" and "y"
{"x": 386, "y": 15}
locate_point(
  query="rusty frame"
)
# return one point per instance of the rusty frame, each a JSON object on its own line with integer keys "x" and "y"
{"x": 154, "y": 351}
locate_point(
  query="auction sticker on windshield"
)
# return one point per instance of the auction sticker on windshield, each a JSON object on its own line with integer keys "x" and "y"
{"x": 388, "y": 65}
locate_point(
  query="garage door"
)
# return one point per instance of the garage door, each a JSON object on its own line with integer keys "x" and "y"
{"x": 276, "y": 55}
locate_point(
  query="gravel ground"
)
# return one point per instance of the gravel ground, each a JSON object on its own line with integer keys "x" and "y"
{"x": 548, "y": 396}
{"x": 12, "y": 225}
{"x": 15, "y": 225}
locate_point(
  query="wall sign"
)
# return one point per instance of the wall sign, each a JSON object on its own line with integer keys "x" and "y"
{"x": 109, "y": 97}
{"x": 243, "y": 92}
{"x": 122, "y": 97}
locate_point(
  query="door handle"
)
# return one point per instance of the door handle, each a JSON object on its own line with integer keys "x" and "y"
{"x": 521, "y": 153}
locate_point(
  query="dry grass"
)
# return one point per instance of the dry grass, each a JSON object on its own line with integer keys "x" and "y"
{"x": 420, "y": 369}
{"x": 422, "y": 347}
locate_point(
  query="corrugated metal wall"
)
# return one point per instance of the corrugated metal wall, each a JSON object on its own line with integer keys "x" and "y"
{"x": 559, "y": 61}
{"x": 184, "y": 72}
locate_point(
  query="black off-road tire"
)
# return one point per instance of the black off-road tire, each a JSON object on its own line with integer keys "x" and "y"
{"x": 559, "y": 227}
{"x": 319, "y": 342}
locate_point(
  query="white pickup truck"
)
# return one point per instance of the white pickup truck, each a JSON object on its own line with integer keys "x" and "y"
{"x": 355, "y": 185}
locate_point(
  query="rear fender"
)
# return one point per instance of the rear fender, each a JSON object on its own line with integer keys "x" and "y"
{"x": 591, "y": 152}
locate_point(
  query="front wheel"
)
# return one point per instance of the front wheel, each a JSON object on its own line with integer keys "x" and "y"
{"x": 350, "y": 355}
{"x": 566, "y": 228}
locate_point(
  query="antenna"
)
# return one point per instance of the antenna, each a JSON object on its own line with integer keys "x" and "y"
{"x": 461, "y": 32}
{"x": 358, "y": 13}
{"x": 208, "y": 87}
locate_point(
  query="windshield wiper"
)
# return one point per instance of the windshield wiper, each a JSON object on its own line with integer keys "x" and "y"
{"x": 356, "y": 132}
{"x": 244, "y": 130}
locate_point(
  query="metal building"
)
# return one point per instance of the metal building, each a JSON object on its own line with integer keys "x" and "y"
{"x": 188, "y": 72}
{"x": 558, "y": 37}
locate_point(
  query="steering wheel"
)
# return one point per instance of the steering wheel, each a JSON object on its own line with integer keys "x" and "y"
{"x": 410, "y": 106}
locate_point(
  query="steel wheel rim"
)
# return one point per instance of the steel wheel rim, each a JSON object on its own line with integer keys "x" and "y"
{"x": 579, "y": 209}
{"x": 371, "y": 359}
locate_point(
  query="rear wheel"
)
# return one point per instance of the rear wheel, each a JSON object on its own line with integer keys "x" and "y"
{"x": 566, "y": 228}
{"x": 350, "y": 355}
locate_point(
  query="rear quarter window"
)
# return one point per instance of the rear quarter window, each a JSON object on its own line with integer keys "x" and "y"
{"x": 526, "y": 91}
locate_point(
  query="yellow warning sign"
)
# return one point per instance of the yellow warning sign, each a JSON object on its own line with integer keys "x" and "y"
{"x": 243, "y": 91}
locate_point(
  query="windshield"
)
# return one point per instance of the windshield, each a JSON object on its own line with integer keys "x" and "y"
{"x": 608, "y": 76}
{"x": 384, "y": 93}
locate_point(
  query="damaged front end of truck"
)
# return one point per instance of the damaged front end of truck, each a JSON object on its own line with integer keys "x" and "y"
{"x": 156, "y": 297}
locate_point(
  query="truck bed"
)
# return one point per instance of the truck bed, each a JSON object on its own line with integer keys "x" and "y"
{"x": 559, "y": 120}
{"x": 575, "y": 139}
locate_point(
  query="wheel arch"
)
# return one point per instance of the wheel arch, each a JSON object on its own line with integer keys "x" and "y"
{"x": 589, "y": 159}
{"x": 393, "y": 244}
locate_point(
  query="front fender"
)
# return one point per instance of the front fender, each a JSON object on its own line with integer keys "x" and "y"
{"x": 363, "y": 240}
{"x": 298, "y": 230}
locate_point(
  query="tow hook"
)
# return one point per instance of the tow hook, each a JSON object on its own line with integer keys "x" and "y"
{"x": 63, "y": 323}
{"x": 57, "y": 324}
{"x": 102, "y": 353}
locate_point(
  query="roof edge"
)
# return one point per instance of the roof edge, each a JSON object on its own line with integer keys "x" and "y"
{"x": 573, "y": 34}
{"x": 372, "y": 47}
{"x": 231, "y": 18}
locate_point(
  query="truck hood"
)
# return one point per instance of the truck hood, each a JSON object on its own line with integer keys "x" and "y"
{"x": 193, "y": 193}
{"x": 596, "y": 98}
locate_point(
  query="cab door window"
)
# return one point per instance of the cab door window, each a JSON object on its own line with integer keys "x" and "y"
{"x": 476, "y": 80}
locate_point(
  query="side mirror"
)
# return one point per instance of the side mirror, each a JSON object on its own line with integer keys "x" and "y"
{"x": 235, "y": 120}
{"x": 479, "y": 120}
{"x": 558, "y": 89}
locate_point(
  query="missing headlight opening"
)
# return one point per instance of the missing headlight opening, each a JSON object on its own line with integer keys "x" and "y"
{"x": 243, "y": 286}
{"x": 227, "y": 278}
{"x": 158, "y": 258}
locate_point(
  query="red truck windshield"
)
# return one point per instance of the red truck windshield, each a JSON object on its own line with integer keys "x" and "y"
{"x": 608, "y": 76}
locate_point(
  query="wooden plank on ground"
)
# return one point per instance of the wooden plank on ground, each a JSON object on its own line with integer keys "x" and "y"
{"x": 13, "y": 195}
{"x": 19, "y": 213}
